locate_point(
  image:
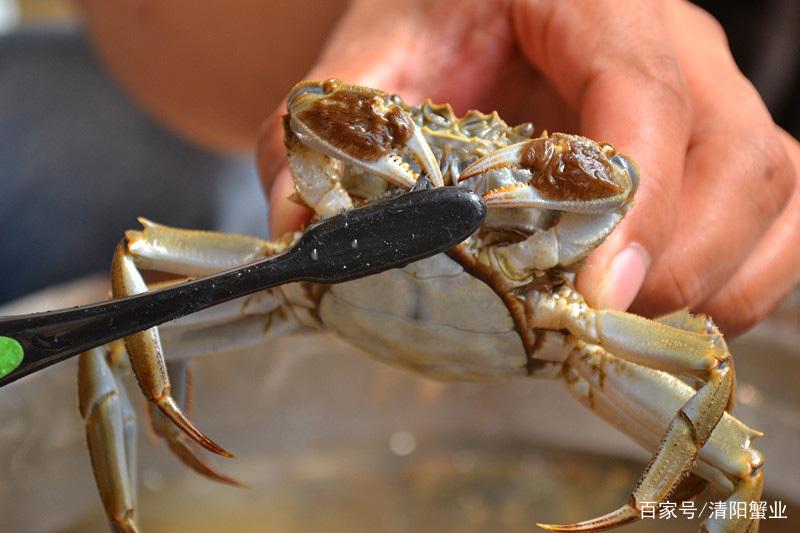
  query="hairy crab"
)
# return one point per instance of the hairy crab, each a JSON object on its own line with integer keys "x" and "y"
{"x": 500, "y": 305}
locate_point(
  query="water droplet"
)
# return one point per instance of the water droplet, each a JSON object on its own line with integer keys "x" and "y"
{"x": 314, "y": 254}
{"x": 354, "y": 243}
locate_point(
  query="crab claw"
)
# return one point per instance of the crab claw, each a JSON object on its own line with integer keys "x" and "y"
{"x": 365, "y": 127}
{"x": 561, "y": 172}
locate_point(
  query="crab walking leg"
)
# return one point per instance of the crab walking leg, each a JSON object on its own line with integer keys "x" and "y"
{"x": 688, "y": 432}
{"x": 195, "y": 252}
{"x": 637, "y": 400}
{"x": 597, "y": 401}
{"x": 646, "y": 419}
{"x": 647, "y": 342}
{"x": 130, "y": 429}
{"x": 645, "y": 415}
{"x": 182, "y": 446}
{"x": 183, "y": 252}
{"x": 699, "y": 323}
{"x": 111, "y": 437}
{"x": 146, "y": 354}
{"x": 230, "y": 326}
{"x": 747, "y": 490}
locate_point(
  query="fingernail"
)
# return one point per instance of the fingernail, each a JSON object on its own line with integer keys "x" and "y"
{"x": 625, "y": 277}
{"x": 279, "y": 188}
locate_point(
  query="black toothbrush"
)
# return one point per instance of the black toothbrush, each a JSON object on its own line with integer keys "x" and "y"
{"x": 381, "y": 236}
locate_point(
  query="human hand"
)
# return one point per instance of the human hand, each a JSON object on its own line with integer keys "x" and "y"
{"x": 717, "y": 222}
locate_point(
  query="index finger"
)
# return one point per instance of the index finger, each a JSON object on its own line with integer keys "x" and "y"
{"x": 611, "y": 60}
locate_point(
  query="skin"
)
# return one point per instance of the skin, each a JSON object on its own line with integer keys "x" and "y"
{"x": 718, "y": 209}
{"x": 198, "y": 66}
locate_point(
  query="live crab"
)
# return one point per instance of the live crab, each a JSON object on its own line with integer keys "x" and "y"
{"x": 500, "y": 305}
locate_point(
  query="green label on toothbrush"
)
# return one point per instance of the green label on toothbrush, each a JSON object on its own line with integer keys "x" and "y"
{"x": 11, "y": 355}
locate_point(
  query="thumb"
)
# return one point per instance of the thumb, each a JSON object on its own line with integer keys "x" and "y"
{"x": 603, "y": 65}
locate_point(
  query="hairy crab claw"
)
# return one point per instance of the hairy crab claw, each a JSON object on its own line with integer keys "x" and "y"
{"x": 566, "y": 193}
{"x": 561, "y": 172}
{"x": 331, "y": 123}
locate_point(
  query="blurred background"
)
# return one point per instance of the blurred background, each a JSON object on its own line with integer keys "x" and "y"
{"x": 326, "y": 438}
{"x": 79, "y": 161}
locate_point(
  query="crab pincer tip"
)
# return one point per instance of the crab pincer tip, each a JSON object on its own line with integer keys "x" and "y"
{"x": 508, "y": 156}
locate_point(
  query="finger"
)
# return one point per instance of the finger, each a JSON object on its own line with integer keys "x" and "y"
{"x": 270, "y": 152}
{"x": 738, "y": 177}
{"x": 284, "y": 215}
{"x": 629, "y": 91}
{"x": 736, "y": 185}
{"x": 770, "y": 272}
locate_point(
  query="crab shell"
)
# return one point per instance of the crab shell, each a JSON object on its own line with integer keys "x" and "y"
{"x": 433, "y": 317}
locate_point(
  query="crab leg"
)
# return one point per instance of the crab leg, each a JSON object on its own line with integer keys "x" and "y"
{"x": 747, "y": 490}
{"x": 180, "y": 252}
{"x": 640, "y": 401}
{"x": 650, "y": 343}
{"x": 599, "y": 401}
{"x": 111, "y": 437}
{"x": 230, "y": 326}
{"x": 184, "y": 448}
{"x": 146, "y": 354}
{"x": 687, "y": 433}
{"x": 111, "y": 427}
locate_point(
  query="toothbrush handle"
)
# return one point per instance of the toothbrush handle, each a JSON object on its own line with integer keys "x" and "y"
{"x": 358, "y": 243}
{"x": 49, "y": 337}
